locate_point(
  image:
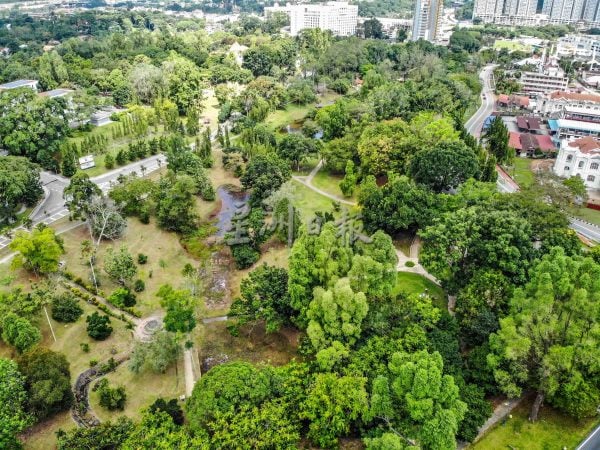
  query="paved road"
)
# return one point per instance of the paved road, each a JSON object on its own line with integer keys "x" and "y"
{"x": 587, "y": 229}
{"x": 488, "y": 101}
{"x": 52, "y": 207}
{"x": 592, "y": 442}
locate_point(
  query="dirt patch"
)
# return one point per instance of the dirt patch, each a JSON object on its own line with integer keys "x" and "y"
{"x": 543, "y": 165}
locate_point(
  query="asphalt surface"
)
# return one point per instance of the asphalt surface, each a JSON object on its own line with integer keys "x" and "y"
{"x": 592, "y": 442}
{"x": 53, "y": 208}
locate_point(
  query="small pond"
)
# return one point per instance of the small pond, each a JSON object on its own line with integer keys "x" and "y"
{"x": 232, "y": 200}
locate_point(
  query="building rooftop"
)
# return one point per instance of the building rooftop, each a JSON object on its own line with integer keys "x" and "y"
{"x": 563, "y": 95}
{"x": 17, "y": 84}
{"x": 577, "y": 125}
{"x": 586, "y": 144}
{"x": 528, "y": 123}
{"x": 54, "y": 93}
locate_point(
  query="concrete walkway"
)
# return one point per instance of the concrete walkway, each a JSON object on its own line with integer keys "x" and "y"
{"x": 307, "y": 181}
{"x": 499, "y": 414}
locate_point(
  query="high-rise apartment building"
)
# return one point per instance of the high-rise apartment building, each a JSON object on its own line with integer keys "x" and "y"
{"x": 426, "y": 19}
{"x": 564, "y": 11}
{"x": 338, "y": 17}
{"x": 506, "y": 12}
{"x": 591, "y": 12}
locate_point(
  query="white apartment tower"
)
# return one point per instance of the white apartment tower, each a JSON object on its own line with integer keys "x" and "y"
{"x": 338, "y": 17}
{"x": 564, "y": 11}
{"x": 426, "y": 19}
{"x": 508, "y": 12}
{"x": 591, "y": 12}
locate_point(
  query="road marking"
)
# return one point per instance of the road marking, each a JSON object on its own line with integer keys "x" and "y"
{"x": 588, "y": 438}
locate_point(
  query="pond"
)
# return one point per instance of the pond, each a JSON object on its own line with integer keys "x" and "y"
{"x": 232, "y": 201}
{"x": 296, "y": 127}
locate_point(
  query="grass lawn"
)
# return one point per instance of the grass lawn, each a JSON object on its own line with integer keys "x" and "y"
{"x": 308, "y": 201}
{"x": 142, "y": 390}
{"x": 166, "y": 259}
{"x": 413, "y": 283}
{"x": 295, "y": 113}
{"x": 553, "y": 430}
{"x": 521, "y": 171}
{"x": 331, "y": 183}
{"x": 511, "y": 46}
{"x": 587, "y": 214}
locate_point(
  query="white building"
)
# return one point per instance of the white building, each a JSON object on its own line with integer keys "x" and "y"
{"x": 573, "y": 129}
{"x": 570, "y": 105}
{"x": 552, "y": 80}
{"x": 579, "y": 46}
{"x": 427, "y": 20}
{"x": 340, "y": 18}
{"x": 580, "y": 157}
{"x": 506, "y": 12}
{"x": 563, "y": 11}
{"x": 31, "y": 84}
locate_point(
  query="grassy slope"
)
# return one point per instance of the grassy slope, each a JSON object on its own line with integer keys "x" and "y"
{"x": 552, "y": 431}
{"x": 413, "y": 283}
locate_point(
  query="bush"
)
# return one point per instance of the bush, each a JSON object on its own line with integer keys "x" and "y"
{"x": 244, "y": 255}
{"x": 111, "y": 398}
{"x": 409, "y": 264}
{"x": 65, "y": 308}
{"x": 98, "y": 327}
{"x": 109, "y": 161}
{"x": 142, "y": 259}
{"x": 85, "y": 347}
{"x": 122, "y": 298}
{"x": 139, "y": 286}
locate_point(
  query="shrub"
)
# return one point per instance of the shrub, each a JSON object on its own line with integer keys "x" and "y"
{"x": 98, "y": 327}
{"x": 122, "y": 298}
{"x": 111, "y": 398}
{"x": 244, "y": 256}
{"x": 85, "y": 347}
{"x": 142, "y": 259}
{"x": 65, "y": 308}
{"x": 409, "y": 264}
{"x": 139, "y": 286}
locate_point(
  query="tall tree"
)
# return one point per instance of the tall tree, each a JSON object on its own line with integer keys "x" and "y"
{"x": 549, "y": 341}
{"x": 79, "y": 193}
{"x": 19, "y": 332}
{"x": 497, "y": 140}
{"x": 13, "y": 396}
{"x": 119, "y": 265}
{"x": 19, "y": 185}
{"x": 38, "y": 250}
{"x": 179, "y": 304}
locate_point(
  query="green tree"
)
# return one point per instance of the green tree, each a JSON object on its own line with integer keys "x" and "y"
{"x": 445, "y": 166}
{"x": 336, "y": 315}
{"x": 111, "y": 398}
{"x": 266, "y": 426}
{"x": 348, "y": 184}
{"x": 19, "y": 184}
{"x": 38, "y": 250}
{"x": 387, "y": 441}
{"x": 548, "y": 342}
{"x": 497, "y": 141}
{"x": 157, "y": 355}
{"x": 21, "y": 113}
{"x": 477, "y": 238}
{"x": 19, "y": 332}
{"x": 79, "y": 193}
{"x": 65, "y": 308}
{"x": 120, "y": 265}
{"x": 98, "y": 327}
{"x": 224, "y": 388}
{"x": 418, "y": 400}
{"x": 397, "y": 206}
{"x": 192, "y": 124}
{"x": 184, "y": 82}
{"x": 179, "y": 304}
{"x": 295, "y": 148}
{"x": 48, "y": 382}
{"x": 13, "y": 396}
{"x": 175, "y": 203}
{"x": 263, "y": 297}
{"x": 372, "y": 29}
{"x": 68, "y": 164}
{"x": 264, "y": 175}
{"x": 106, "y": 436}
{"x": 333, "y": 403}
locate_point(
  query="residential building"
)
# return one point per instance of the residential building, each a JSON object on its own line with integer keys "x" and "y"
{"x": 529, "y": 145}
{"x": 563, "y": 11}
{"x": 579, "y": 157}
{"x": 340, "y": 18}
{"x": 591, "y": 13}
{"x": 427, "y": 19}
{"x": 572, "y": 129}
{"x": 506, "y": 12}
{"x": 570, "y": 105}
{"x": 237, "y": 51}
{"x": 32, "y": 84}
{"x": 551, "y": 80}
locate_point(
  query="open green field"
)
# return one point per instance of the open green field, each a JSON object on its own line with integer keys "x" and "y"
{"x": 331, "y": 183}
{"x": 308, "y": 201}
{"x": 521, "y": 171}
{"x": 413, "y": 283}
{"x": 511, "y": 46}
{"x": 295, "y": 113}
{"x": 552, "y": 431}
{"x": 588, "y": 214}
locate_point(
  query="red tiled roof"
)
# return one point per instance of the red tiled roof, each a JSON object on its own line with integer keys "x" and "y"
{"x": 522, "y": 123}
{"x": 503, "y": 98}
{"x": 524, "y": 101}
{"x": 545, "y": 143}
{"x": 586, "y": 144}
{"x": 514, "y": 140}
{"x": 528, "y": 142}
{"x": 534, "y": 124}
{"x": 575, "y": 96}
